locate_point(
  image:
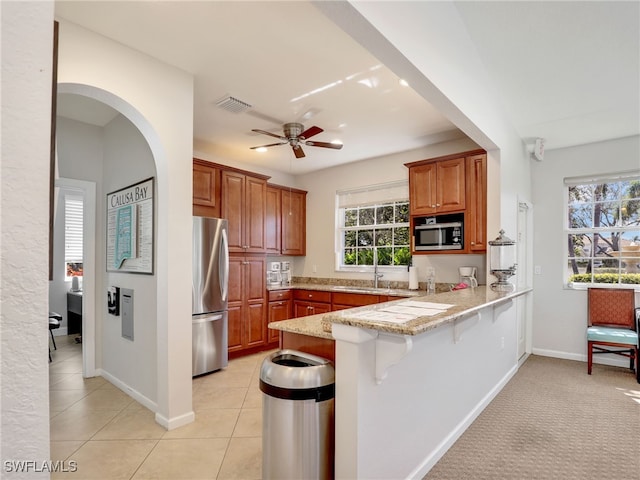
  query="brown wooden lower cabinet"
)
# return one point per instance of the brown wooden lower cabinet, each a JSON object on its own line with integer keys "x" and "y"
{"x": 247, "y": 302}
{"x": 279, "y": 309}
{"x": 322, "y": 347}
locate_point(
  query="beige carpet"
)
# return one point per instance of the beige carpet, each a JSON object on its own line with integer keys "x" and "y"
{"x": 553, "y": 421}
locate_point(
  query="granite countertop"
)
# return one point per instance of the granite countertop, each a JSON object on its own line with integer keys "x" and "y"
{"x": 392, "y": 292}
{"x": 462, "y": 303}
{"x": 310, "y": 325}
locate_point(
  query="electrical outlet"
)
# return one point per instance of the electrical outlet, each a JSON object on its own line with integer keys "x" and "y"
{"x": 537, "y": 270}
{"x": 314, "y": 269}
{"x": 501, "y": 343}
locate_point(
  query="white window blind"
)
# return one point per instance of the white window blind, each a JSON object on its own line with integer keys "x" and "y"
{"x": 374, "y": 194}
{"x": 73, "y": 210}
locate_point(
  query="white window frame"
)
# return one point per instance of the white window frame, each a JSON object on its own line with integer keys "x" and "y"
{"x": 73, "y": 231}
{"x": 367, "y": 197}
{"x": 633, "y": 175}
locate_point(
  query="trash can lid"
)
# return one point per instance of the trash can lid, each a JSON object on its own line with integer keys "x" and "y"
{"x": 296, "y": 370}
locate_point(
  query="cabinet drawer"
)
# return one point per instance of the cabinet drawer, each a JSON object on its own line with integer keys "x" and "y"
{"x": 354, "y": 299}
{"x": 275, "y": 295}
{"x": 312, "y": 295}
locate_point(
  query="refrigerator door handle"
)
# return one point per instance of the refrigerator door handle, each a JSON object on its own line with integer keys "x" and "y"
{"x": 206, "y": 318}
{"x": 224, "y": 266}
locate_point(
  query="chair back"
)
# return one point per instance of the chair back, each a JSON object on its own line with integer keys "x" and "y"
{"x": 612, "y": 307}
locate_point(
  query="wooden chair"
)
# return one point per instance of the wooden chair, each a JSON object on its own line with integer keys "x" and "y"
{"x": 613, "y": 325}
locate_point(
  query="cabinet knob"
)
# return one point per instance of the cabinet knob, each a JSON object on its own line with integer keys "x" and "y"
{"x": 433, "y": 206}
{"x": 437, "y": 204}
{"x": 473, "y": 243}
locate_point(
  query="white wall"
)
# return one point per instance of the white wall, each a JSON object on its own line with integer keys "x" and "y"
{"x": 560, "y": 314}
{"x": 321, "y": 222}
{"x": 79, "y": 151}
{"x": 158, "y": 100}
{"x": 127, "y": 160}
{"x": 27, "y": 34}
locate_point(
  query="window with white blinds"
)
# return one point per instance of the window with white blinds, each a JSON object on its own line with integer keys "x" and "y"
{"x": 373, "y": 226}
{"x": 73, "y": 211}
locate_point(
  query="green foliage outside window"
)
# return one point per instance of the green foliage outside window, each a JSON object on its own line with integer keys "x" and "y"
{"x": 381, "y": 230}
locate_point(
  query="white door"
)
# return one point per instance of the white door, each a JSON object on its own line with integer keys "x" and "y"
{"x": 523, "y": 246}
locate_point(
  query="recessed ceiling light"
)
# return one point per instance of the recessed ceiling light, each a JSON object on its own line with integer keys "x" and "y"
{"x": 260, "y": 149}
{"x": 403, "y": 82}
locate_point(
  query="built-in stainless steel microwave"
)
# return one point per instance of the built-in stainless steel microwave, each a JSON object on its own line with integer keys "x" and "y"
{"x": 438, "y": 236}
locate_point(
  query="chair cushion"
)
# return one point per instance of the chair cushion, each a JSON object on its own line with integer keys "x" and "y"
{"x": 613, "y": 335}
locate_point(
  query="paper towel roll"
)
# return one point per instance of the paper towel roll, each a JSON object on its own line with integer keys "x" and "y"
{"x": 413, "y": 278}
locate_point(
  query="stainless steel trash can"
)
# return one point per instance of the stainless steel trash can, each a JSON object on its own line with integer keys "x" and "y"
{"x": 298, "y": 423}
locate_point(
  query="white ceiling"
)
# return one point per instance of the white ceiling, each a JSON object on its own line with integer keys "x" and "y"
{"x": 566, "y": 71}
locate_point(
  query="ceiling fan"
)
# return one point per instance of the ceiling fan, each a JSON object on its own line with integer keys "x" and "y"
{"x": 295, "y": 135}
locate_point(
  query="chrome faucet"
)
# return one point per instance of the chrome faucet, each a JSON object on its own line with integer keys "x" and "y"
{"x": 376, "y": 275}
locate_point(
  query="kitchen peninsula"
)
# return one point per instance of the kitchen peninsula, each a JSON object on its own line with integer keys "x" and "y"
{"x": 406, "y": 390}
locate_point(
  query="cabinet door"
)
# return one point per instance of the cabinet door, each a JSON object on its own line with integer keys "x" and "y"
{"x": 303, "y": 309}
{"x": 476, "y": 222}
{"x": 206, "y": 190}
{"x": 255, "y": 298}
{"x": 272, "y": 220}
{"x": 280, "y": 310}
{"x": 235, "y": 315}
{"x": 422, "y": 193}
{"x": 294, "y": 222}
{"x": 233, "y": 208}
{"x": 450, "y": 190}
{"x": 254, "y": 202}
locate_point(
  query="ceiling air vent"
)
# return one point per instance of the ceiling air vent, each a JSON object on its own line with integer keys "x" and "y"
{"x": 232, "y": 104}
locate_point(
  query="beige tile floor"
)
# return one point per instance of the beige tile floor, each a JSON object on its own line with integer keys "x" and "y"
{"x": 110, "y": 436}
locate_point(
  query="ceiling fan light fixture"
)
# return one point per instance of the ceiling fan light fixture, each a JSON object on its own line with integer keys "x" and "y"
{"x": 261, "y": 149}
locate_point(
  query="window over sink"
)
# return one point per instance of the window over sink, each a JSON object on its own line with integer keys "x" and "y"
{"x": 373, "y": 225}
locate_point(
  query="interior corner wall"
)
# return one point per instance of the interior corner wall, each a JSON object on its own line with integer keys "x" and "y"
{"x": 158, "y": 99}
{"x": 27, "y": 42}
{"x": 127, "y": 160}
{"x": 560, "y": 314}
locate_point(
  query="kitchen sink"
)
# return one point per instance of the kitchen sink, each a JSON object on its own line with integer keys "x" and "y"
{"x": 356, "y": 289}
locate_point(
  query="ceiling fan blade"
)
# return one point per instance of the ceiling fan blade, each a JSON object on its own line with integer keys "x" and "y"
{"x": 297, "y": 150}
{"x": 311, "y": 143}
{"x": 264, "y": 132}
{"x": 270, "y": 145}
{"x": 310, "y": 132}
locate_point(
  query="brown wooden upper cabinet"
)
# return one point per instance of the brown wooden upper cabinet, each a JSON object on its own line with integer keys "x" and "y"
{"x": 206, "y": 189}
{"x": 476, "y": 217}
{"x": 452, "y": 184}
{"x": 286, "y": 225}
{"x": 437, "y": 186}
{"x": 243, "y": 205}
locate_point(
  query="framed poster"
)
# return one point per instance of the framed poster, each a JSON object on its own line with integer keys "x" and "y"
{"x": 130, "y": 229}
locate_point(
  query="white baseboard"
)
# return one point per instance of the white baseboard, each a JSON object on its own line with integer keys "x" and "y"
{"x": 428, "y": 463}
{"x": 137, "y": 396}
{"x": 603, "y": 359}
{"x": 175, "y": 422}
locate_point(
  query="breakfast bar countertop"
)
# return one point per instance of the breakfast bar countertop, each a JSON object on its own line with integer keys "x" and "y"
{"x": 402, "y": 317}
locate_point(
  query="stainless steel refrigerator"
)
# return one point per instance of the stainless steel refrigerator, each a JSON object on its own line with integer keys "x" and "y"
{"x": 210, "y": 295}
